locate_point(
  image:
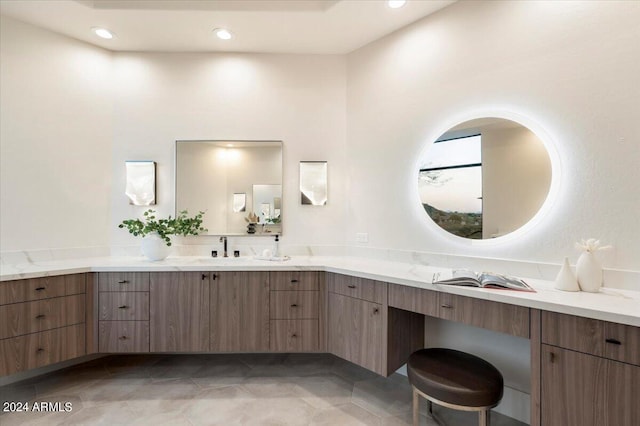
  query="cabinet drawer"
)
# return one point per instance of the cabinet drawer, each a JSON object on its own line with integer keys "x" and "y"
{"x": 294, "y": 304}
{"x": 40, "y": 349}
{"x": 123, "y": 281}
{"x": 496, "y": 316}
{"x": 413, "y": 299}
{"x": 132, "y": 306}
{"x": 360, "y": 288}
{"x": 294, "y": 280}
{"x": 294, "y": 335}
{"x": 124, "y": 336}
{"x": 601, "y": 338}
{"x": 41, "y": 288}
{"x": 30, "y": 317}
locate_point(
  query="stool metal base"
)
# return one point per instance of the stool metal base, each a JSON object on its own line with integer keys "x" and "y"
{"x": 483, "y": 412}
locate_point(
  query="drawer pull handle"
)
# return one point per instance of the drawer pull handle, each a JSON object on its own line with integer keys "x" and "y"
{"x": 294, "y": 281}
{"x": 552, "y": 357}
{"x": 293, "y": 305}
{"x": 447, "y": 306}
{"x": 204, "y": 276}
{"x": 294, "y": 335}
{"x": 122, "y": 337}
{"x": 123, "y": 282}
{"x": 123, "y": 307}
{"x": 41, "y": 316}
{"x": 40, "y": 350}
{"x": 614, "y": 341}
{"x": 40, "y": 288}
{"x": 376, "y": 310}
{"x": 351, "y": 286}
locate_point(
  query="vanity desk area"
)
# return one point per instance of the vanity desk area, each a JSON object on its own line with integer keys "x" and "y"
{"x": 585, "y": 348}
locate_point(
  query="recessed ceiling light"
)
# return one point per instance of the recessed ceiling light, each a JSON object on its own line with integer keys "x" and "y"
{"x": 394, "y": 4}
{"x": 103, "y": 33}
{"x": 223, "y": 34}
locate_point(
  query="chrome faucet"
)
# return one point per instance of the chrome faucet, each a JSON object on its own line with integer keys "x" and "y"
{"x": 224, "y": 241}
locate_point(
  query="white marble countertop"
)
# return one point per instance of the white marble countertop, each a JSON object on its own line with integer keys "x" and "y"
{"x": 621, "y": 306}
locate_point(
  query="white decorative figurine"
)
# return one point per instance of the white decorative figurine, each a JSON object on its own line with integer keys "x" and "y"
{"x": 566, "y": 279}
{"x": 588, "y": 268}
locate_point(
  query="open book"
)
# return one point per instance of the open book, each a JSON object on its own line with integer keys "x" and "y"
{"x": 465, "y": 277}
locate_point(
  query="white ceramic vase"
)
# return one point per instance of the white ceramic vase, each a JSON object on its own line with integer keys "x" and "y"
{"x": 154, "y": 247}
{"x": 589, "y": 272}
{"x": 566, "y": 280}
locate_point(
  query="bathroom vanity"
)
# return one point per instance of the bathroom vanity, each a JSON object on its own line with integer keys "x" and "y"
{"x": 585, "y": 362}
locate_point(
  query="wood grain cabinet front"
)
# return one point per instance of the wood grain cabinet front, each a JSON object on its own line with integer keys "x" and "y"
{"x": 42, "y": 321}
{"x": 294, "y": 335}
{"x": 123, "y": 336}
{"x": 40, "y": 349}
{"x": 30, "y": 317}
{"x": 41, "y": 288}
{"x": 414, "y": 299}
{"x": 355, "y": 330}
{"x": 294, "y": 305}
{"x": 124, "y": 306}
{"x": 123, "y": 281}
{"x": 578, "y": 389}
{"x": 360, "y": 288}
{"x": 496, "y": 316}
{"x": 600, "y": 338}
{"x": 294, "y": 280}
{"x": 240, "y": 312}
{"x": 180, "y": 311}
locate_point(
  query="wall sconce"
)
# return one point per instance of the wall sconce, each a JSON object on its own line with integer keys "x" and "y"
{"x": 239, "y": 202}
{"x": 313, "y": 183}
{"x": 141, "y": 182}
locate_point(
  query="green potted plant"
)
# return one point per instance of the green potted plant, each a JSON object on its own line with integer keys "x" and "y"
{"x": 157, "y": 232}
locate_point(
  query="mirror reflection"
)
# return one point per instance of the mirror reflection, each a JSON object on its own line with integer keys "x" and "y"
{"x": 141, "y": 182}
{"x": 313, "y": 183}
{"x": 226, "y": 179}
{"x": 484, "y": 178}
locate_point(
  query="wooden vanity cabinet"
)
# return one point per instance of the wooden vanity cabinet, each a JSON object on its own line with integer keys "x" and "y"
{"x": 356, "y": 323}
{"x": 296, "y": 311}
{"x": 42, "y": 321}
{"x": 589, "y": 372}
{"x": 179, "y": 315}
{"x": 239, "y": 311}
{"x": 123, "y": 310}
{"x": 585, "y": 390}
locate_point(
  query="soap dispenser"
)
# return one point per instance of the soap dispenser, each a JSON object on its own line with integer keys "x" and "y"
{"x": 276, "y": 248}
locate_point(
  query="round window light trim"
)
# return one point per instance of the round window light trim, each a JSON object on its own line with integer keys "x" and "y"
{"x": 223, "y": 34}
{"x": 545, "y": 208}
{"x": 396, "y": 4}
{"x": 103, "y": 33}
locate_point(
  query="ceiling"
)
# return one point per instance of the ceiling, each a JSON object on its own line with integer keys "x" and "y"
{"x": 274, "y": 26}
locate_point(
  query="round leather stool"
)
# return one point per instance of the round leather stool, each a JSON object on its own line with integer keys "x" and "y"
{"x": 454, "y": 379}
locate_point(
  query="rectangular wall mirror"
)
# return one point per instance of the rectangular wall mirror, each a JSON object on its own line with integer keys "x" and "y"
{"x": 229, "y": 180}
{"x": 141, "y": 182}
{"x": 313, "y": 183}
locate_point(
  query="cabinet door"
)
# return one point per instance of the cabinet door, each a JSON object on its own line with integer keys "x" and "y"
{"x": 179, "y": 311}
{"x": 240, "y": 312}
{"x": 355, "y": 331}
{"x": 585, "y": 390}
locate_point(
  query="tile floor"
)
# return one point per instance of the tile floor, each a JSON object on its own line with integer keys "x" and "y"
{"x": 249, "y": 389}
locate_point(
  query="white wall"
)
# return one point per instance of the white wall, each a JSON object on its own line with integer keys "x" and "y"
{"x": 298, "y": 99}
{"x": 55, "y": 140}
{"x": 571, "y": 67}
